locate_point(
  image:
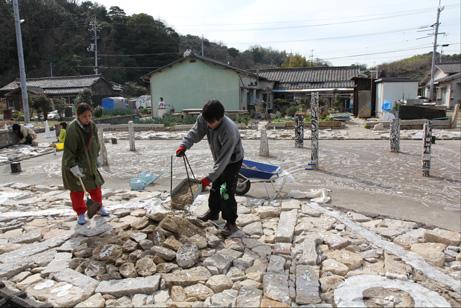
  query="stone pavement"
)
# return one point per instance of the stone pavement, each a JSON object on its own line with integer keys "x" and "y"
{"x": 292, "y": 252}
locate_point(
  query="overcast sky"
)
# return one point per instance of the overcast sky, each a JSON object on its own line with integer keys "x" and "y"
{"x": 342, "y": 32}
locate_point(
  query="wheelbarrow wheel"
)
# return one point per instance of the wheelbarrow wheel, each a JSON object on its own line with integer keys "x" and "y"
{"x": 243, "y": 185}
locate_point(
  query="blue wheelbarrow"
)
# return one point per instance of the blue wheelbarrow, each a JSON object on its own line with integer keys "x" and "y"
{"x": 255, "y": 172}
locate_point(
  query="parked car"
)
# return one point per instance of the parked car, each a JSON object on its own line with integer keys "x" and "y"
{"x": 53, "y": 115}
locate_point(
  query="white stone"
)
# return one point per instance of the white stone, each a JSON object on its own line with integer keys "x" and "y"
{"x": 291, "y": 204}
{"x": 335, "y": 241}
{"x": 219, "y": 283}
{"x": 276, "y": 264}
{"x": 266, "y": 212}
{"x": 248, "y": 297}
{"x": 411, "y": 237}
{"x": 60, "y": 262}
{"x": 286, "y": 226}
{"x": 408, "y": 257}
{"x": 335, "y": 267}
{"x": 29, "y": 281}
{"x": 254, "y": 228}
{"x": 443, "y": 236}
{"x": 309, "y": 250}
{"x": 198, "y": 291}
{"x": 129, "y": 286}
{"x": 247, "y": 219}
{"x": 94, "y": 301}
{"x": 351, "y": 259}
{"x": 432, "y": 252}
{"x": 350, "y": 293}
{"x": 276, "y": 287}
{"x": 224, "y": 299}
{"x": 75, "y": 278}
{"x": 307, "y": 285}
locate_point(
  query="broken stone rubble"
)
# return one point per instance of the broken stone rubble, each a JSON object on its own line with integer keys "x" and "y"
{"x": 309, "y": 257}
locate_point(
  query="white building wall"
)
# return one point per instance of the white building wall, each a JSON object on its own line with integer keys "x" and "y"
{"x": 392, "y": 91}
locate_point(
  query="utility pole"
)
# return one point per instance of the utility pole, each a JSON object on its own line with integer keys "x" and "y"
{"x": 434, "y": 50}
{"x": 203, "y": 53}
{"x": 94, "y": 47}
{"x": 22, "y": 69}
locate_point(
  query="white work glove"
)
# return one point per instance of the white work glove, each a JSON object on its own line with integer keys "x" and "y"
{"x": 76, "y": 171}
{"x": 98, "y": 161}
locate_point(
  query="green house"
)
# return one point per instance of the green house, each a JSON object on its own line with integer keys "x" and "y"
{"x": 192, "y": 80}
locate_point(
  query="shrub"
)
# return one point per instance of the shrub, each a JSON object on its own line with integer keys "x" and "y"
{"x": 245, "y": 119}
{"x": 98, "y": 111}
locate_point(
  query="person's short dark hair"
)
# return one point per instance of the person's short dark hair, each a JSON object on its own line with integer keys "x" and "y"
{"x": 82, "y": 108}
{"x": 16, "y": 127}
{"x": 212, "y": 111}
{"x": 63, "y": 125}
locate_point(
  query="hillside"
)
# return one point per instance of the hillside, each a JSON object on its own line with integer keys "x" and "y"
{"x": 57, "y": 41}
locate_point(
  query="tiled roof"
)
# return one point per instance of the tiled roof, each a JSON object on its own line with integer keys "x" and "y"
{"x": 449, "y": 78}
{"x": 450, "y": 68}
{"x": 71, "y": 84}
{"x": 309, "y": 86}
{"x": 311, "y": 77}
{"x": 204, "y": 59}
{"x": 395, "y": 79}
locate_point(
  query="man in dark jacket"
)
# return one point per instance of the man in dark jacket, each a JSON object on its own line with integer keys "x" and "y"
{"x": 226, "y": 147}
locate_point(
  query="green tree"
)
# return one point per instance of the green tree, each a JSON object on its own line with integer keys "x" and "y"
{"x": 296, "y": 61}
{"x": 131, "y": 89}
{"x": 41, "y": 104}
{"x": 59, "y": 104}
{"x": 85, "y": 97}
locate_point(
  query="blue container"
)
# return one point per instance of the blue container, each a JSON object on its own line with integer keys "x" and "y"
{"x": 388, "y": 106}
{"x": 252, "y": 169}
{"x": 108, "y": 103}
{"x": 137, "y": 184}
{"x": 147, "y": 177}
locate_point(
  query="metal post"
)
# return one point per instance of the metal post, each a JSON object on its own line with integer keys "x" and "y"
{"x": 131, "y": 135}
{"x": 314, "y": 163}
{"x": 103, "y": 150}
{"x": 394, "y": 137}
{"x": 434, "y": 50}
{"x": 299, "y": 131}
{"x": 95, "y": 32}
{"x": 427, "y": 138}
{"x": 22, "y": 69}
{"x": 264, "y": 145}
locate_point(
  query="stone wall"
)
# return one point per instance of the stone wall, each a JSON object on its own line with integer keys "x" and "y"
{"x": 7, "y": 138}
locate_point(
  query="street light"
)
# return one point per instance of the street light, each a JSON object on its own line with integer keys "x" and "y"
{"x": 441, "y": 51}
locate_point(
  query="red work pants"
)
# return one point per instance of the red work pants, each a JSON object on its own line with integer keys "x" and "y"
{"x": 78, "y": 202}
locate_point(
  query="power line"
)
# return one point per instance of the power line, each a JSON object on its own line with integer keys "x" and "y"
{"x": 315, "y": 25}
{"x": 383, "y": 52}
{"x": 120, "y": 67}
{"x": 139, "y": 54}
{"x": 295, "y": 21}
{"x": 328, "y": 38}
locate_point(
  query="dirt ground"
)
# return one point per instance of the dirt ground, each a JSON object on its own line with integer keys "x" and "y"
{"x": 363, "y": 175}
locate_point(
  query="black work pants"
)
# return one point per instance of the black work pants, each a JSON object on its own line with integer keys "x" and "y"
{"x": 216, "y": 203}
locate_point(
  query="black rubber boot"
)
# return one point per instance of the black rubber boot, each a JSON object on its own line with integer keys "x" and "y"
{"x": 229, "y": 229}
{"x": 209, "y": 216}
